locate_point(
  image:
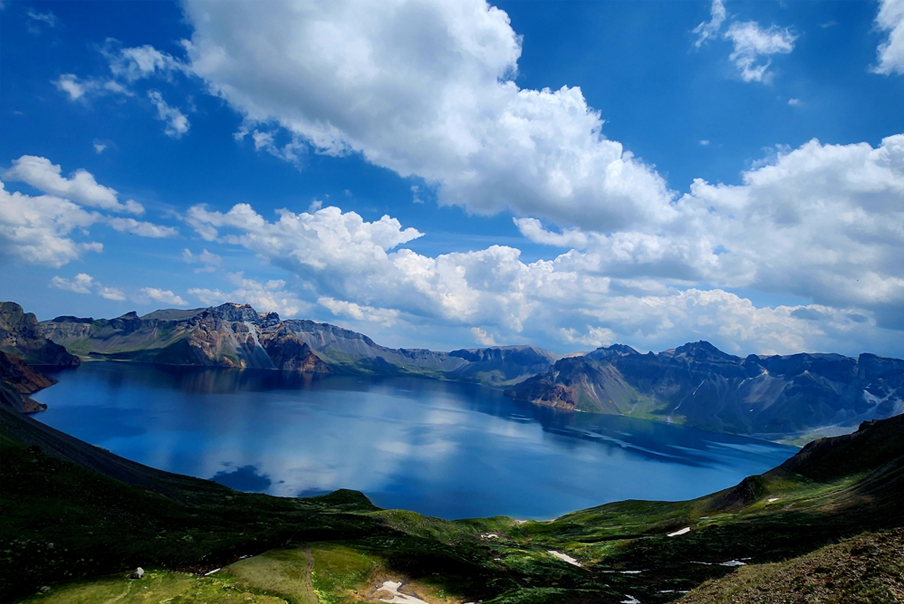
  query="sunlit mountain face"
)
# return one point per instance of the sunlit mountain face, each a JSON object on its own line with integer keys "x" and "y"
{"x": 452, "y": 175}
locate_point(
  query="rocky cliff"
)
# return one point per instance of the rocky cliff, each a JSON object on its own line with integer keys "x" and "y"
{"x": 17, "y": 381}
{"x": 234, "y": 335}
{"x": 699, "y": 385}
{"x": 229, "y": 335}
{"x": 22, "y": 336}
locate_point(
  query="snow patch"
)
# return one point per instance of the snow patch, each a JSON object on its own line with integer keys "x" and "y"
{"x": 565, "y": 557}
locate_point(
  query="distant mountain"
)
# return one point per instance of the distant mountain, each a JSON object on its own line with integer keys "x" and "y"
{"x": 234, "y": 335}
{"x": 699, "y": 385}
{"x": 21, "y": 336}
{"x": 229, "y": 335}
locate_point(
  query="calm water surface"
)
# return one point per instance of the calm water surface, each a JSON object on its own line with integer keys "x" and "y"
{"x": 439, "y": 448}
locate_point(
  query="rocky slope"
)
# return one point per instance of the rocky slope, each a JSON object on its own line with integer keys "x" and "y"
{"x": 699, "y": 385}
{"x": 17, "y": 381}
{"x": 234, "y": 335}
{"x": 22, "y": 336}
{"x": 229, "y": 335}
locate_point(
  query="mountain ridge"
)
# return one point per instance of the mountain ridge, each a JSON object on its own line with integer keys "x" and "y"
{"x": 237, "y": 336}
{"x": 697, "y": 384}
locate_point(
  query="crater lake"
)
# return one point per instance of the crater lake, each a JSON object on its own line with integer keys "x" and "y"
{"x": 443, "y": 449}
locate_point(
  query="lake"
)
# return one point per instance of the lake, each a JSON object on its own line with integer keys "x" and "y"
{"x": 439, "y": 448}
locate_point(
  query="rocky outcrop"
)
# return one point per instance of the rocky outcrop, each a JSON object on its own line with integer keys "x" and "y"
{"x": 22, "y": 336}
{"x": 699, "y": 385}
{"x": 17, "y": 381}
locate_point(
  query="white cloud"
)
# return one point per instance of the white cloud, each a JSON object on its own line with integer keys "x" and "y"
{"x": 111, "y": 293}
{"x": 270, "y": 296}
{"x": 795, "y": 102}
{"x": 533, "y": 230}
{"x": 82, "y": 89}
{"x": 177, "y": 123}
{"x": 141, "y": 228}
{"x": 441, "y": 104}
{"x": 359, "y": 312}
{"x": 37, "y": 230}
{"x": 482, "y": 337}
{"x": 160, "y": 296}
{"x": 99, "y": 148}
{"x": 80, "y": 284}
{"x": 80, "y": 187}
{"x": 83, "y": 283}
{"x": 891, "y": 52}
{"x": 821, "y": 222}
{"x": 709, "y": 29}
{"x": 37, "y": 19}
{"x": 704, "y": 143}
{"x": 588, "y": 336}
{"x": 209, "y": 260}
{"x": 69, "y": 84}
{"x": 139, "y": 62}
{"x": 753, "y": 45}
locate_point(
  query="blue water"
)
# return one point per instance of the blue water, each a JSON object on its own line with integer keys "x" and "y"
{"x": 440, "y": 448}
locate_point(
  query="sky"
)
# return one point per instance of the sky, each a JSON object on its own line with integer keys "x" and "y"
{"x": 454, "y": 174}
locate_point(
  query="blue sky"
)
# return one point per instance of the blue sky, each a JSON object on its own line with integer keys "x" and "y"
{"x": 455, "y": 174}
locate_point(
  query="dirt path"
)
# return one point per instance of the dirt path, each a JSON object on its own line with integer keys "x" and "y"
{"x": 120, "y": 596}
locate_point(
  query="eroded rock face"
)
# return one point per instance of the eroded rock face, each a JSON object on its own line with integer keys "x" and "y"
{"x": 22, "y": 336}
{"x": 699, "y": 385}
{"x": 17, "y": 381}
{"x": 229, "y": 335}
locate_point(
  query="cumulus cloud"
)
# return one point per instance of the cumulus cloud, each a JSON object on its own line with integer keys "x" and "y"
{"x": 269, "y": 296}
{"x": 891, "y": 52}
{"x": 84, "y": 283}
{"x": 177, "y": 123}
{"x": 482, "y": 337}
{"x": 139, "y": 62}
{"x": 823, "y": 222}
{"x": 39, "y": 230}
{"x": 141, "y": 228}
{"x": 82, "y": 89}
{"x": 441, "y": 103}
{"x": 589, "y": 297}
{"x": 46, "y": 229}
{"x": 160, "y": 296}
{"x": 358, "y": 312}
{"x": 709, "y": 29}
{"x": 80, "y": 187}
{"x": 209, "y": 260}
{"x": 753, "y": 46}
{"x": 111, "y": 293}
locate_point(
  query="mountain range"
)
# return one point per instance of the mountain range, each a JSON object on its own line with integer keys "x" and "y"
{"x": 777, "y": 397}
{"x": 699, "y": 385}
{"x": 232, "y": 335}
